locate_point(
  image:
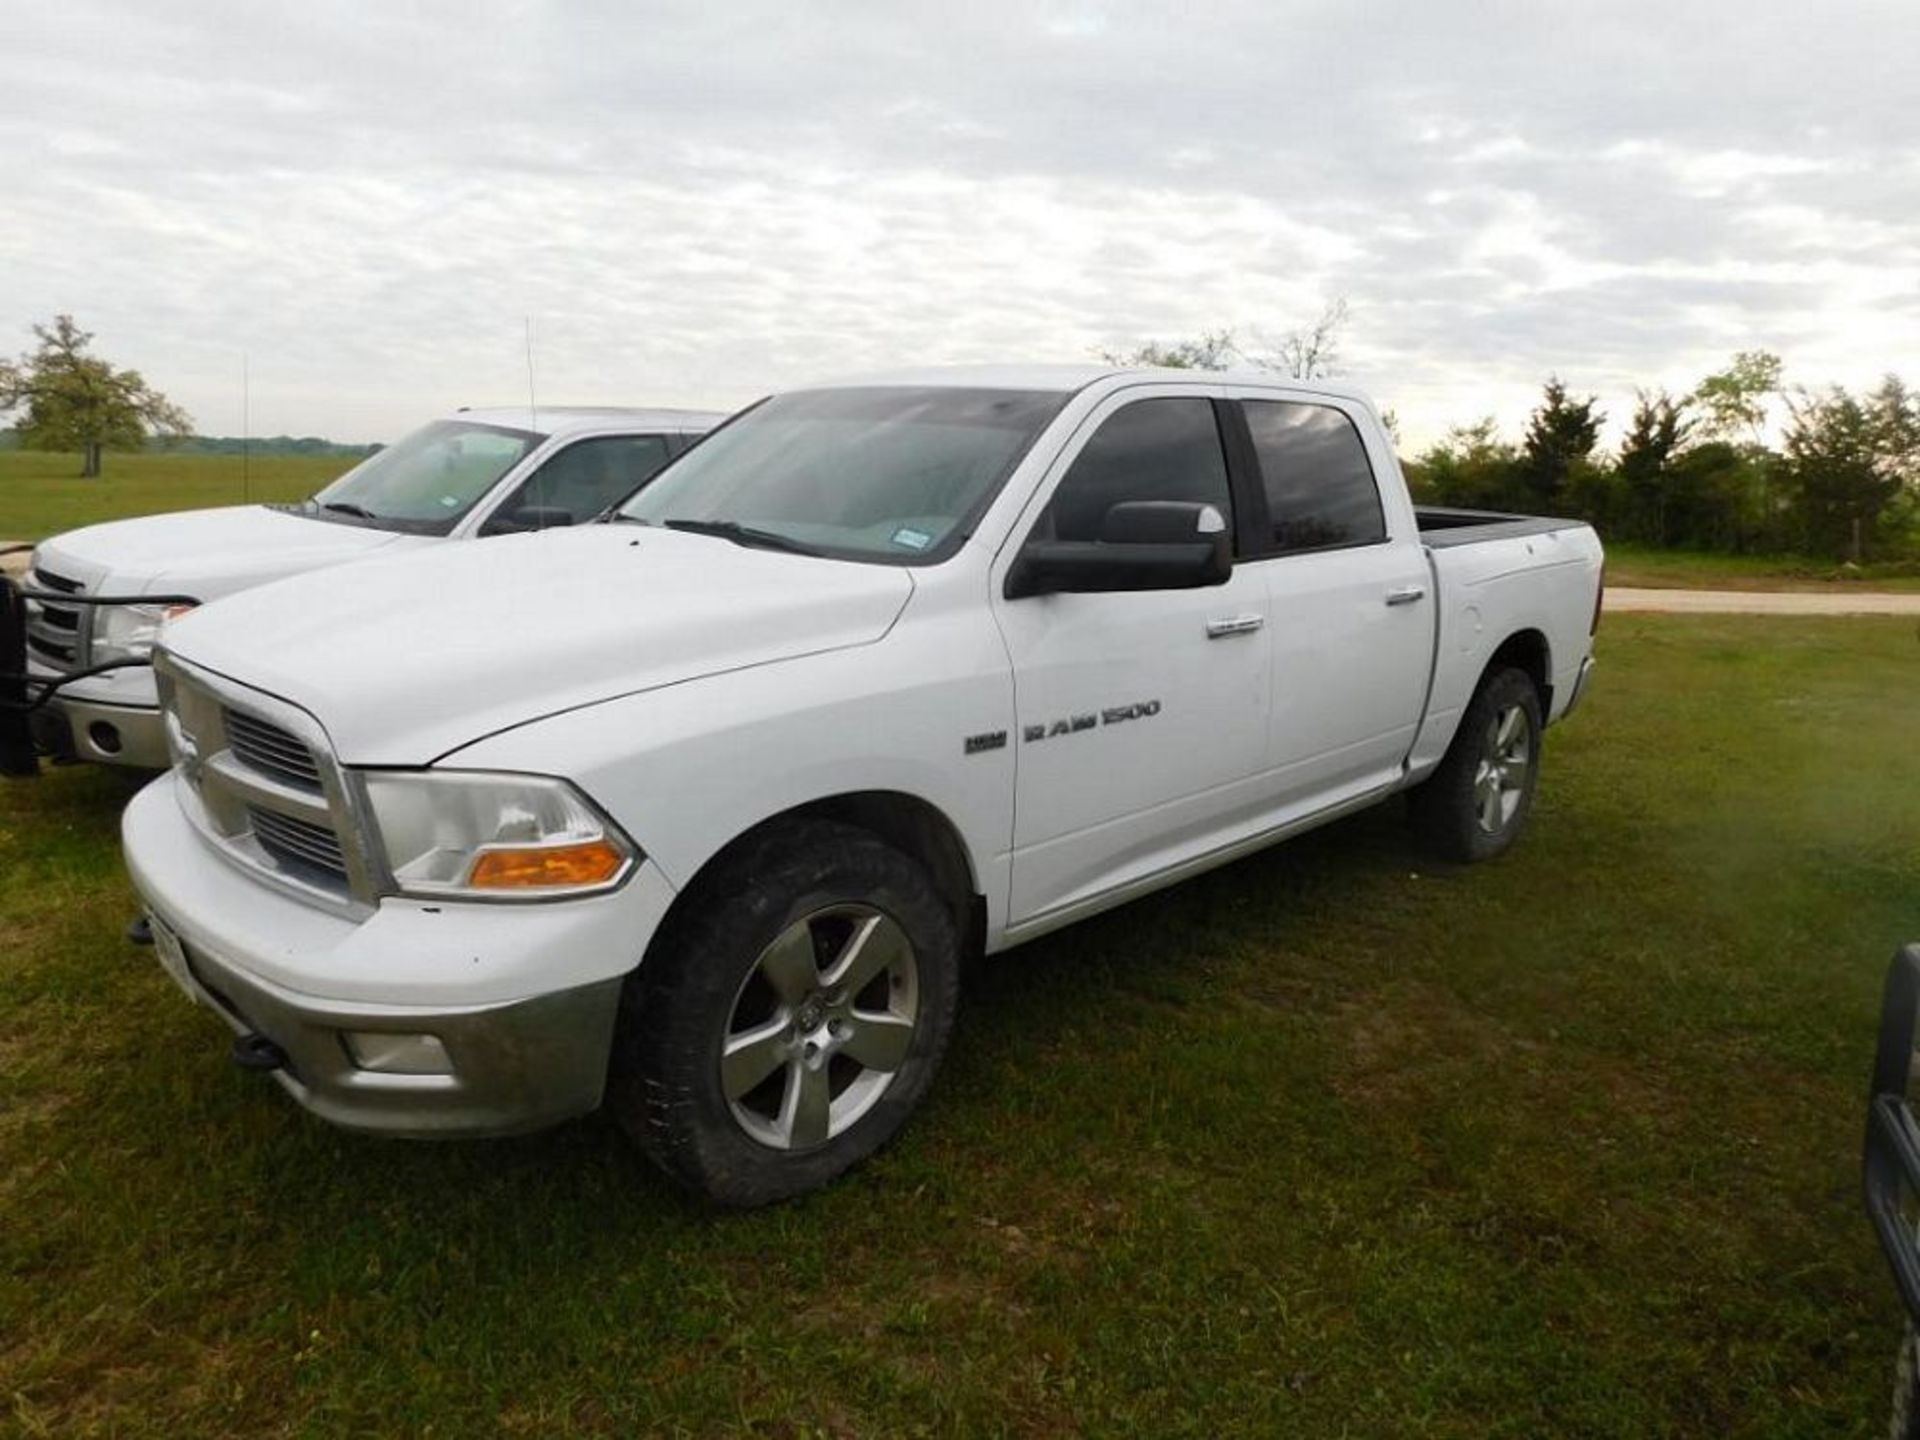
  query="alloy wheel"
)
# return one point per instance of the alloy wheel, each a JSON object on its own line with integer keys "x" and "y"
{"x": 1500, "y": 778}
{"x": 820, "y": 1027}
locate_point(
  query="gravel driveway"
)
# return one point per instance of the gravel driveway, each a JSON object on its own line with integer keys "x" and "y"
{"x": 1762, "y": 602}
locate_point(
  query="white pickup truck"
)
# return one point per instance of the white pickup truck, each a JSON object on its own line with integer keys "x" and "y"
{"x": 471, "y": 474}
{"x": 695, "y": 813}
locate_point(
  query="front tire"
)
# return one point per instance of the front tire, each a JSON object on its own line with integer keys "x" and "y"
{"x": 1476, "y": 802}
{"x": 791, "y": 1015}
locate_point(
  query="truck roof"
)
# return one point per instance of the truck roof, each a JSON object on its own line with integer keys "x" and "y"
{"x": 567, "y": 419}
{"x": 1066, "y": 378}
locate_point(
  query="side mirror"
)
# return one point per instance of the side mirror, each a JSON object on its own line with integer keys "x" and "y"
{"x": 1143, "y": 545}
{"x": 529, "y": 517}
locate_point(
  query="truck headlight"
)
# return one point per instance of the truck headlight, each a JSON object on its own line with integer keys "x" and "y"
{"x": 449, "y": 834}
{"x": 128, "y": 632}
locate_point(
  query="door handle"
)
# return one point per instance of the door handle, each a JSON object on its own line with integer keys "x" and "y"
{"x": 1406, "y": 594}
{"x": 1234, "y": 625}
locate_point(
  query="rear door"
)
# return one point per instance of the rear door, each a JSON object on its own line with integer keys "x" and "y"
{"x": 1141, "y": 716}
{"x": 1352, "y": 625}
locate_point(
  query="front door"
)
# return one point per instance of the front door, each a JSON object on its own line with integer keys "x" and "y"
{"x": 1142, "y": 716}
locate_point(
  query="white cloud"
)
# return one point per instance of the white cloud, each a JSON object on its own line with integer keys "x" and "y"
{"x": 697, "y": 203}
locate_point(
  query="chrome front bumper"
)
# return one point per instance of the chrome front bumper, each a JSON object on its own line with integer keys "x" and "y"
{"x": 522, "y": 999}
{"x": 126, "y": 730}
{"x": 510, "y": 1068}
{"x": 129, "y": 735}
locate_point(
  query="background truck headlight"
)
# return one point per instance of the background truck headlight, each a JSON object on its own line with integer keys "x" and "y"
{"x": 127, "y": 632}
{"x": 462, "y": 834}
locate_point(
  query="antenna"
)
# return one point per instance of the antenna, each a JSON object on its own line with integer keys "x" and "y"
{"x": 533, "y": 420}
{"x": 246, "y": 431}
{"x": 533, "y": 409}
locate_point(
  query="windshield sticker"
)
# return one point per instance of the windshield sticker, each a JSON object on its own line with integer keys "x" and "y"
{"x": 450, "y": 502}
{"x": 913, "y": 539}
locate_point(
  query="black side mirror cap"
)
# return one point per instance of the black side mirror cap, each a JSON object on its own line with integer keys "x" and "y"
{"x": 1161, "y": 522}
{"x": 1143, "y": 545}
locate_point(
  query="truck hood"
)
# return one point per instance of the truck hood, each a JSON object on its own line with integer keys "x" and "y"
{"x": 406, "y": 658}
{"x": 208, "y": 553}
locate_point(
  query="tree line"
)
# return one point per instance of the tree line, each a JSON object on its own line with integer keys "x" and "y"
{"x": 1695, "y": 471}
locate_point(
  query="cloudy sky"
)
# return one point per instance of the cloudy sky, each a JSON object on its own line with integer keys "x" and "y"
{"x": 696, "y": 203}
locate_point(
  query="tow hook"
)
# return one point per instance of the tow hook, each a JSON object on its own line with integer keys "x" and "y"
{"x": 256, "y": 1052}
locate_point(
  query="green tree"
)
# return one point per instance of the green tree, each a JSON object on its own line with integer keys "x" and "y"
{"x": 1720, "y": 496}
{"x": 1896, "y": 418}
{"x": 1311, "y": 352}
{"x": 1848, "y": 461}
{"x": 74, "y": 400}
{"x": 1308, "y": 353}
{"x": 1473, "y": 468}
{"x": 1661, "y": 427}
{"x": 1733, "y": 403}
{"x": 1560, "y": 438}
{"x": 1213, "y": 350}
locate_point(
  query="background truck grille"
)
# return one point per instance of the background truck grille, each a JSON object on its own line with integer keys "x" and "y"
{"x": 298, "y": 843}
{"x": 272, "y": 751}
{"x": 53, "y": 630}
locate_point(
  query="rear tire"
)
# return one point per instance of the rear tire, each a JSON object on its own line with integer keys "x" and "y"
{"x": 1476, "y": 802}
{"x": 1904, "y": 1423}
{"x": 790, "y": 1017}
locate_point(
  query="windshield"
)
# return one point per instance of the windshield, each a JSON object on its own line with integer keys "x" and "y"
{"x": 427, "y": 481}
{"x": 873, "y": 473}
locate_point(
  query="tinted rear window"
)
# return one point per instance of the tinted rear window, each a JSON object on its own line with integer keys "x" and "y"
{"x": 1320, "y": 489}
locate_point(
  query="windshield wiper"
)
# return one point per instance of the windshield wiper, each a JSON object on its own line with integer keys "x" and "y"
{"x": 740, "y": 534}
{"x": 347, "y": 507}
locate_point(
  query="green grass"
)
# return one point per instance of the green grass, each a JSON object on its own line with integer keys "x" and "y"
{"x": 1697, "y": 570}
{"x": 1332, "y": 1142}
{"x": 43, "y": 494}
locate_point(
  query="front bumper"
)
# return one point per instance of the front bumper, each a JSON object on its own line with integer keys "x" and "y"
{"x": 111, "y": 719}
{"x": 520, "y": 1053}
{"x": 129, "y": 735}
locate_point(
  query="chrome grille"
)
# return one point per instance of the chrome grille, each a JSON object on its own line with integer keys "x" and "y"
{"x": 260, "y": 782}
{"x": 298, "y": 843}
{"x": 272, "y": 751}
{"x": 56, "y": 634}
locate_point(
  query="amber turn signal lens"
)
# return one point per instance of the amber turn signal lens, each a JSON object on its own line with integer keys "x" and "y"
{"x": 557, "y": 867}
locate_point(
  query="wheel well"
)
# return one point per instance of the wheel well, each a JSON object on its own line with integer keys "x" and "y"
{"x": 1526, "y": 650}
{"x": 910, "y": 825}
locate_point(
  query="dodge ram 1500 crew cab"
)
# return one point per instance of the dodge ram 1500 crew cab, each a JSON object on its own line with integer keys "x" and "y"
{"x": 694, "y": 813}
{"x": 475, "y": 473}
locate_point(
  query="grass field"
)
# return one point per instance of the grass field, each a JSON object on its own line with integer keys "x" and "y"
{"x": 1331, "y": 1142}
{"x": 1696, "y": 570}
{"x": 42, "y": 495}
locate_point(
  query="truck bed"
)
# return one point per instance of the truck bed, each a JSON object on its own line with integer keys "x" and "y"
{"x": 1442, "y": 528}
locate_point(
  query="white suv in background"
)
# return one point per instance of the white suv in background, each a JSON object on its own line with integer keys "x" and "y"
{"x": 472, "y": 474}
